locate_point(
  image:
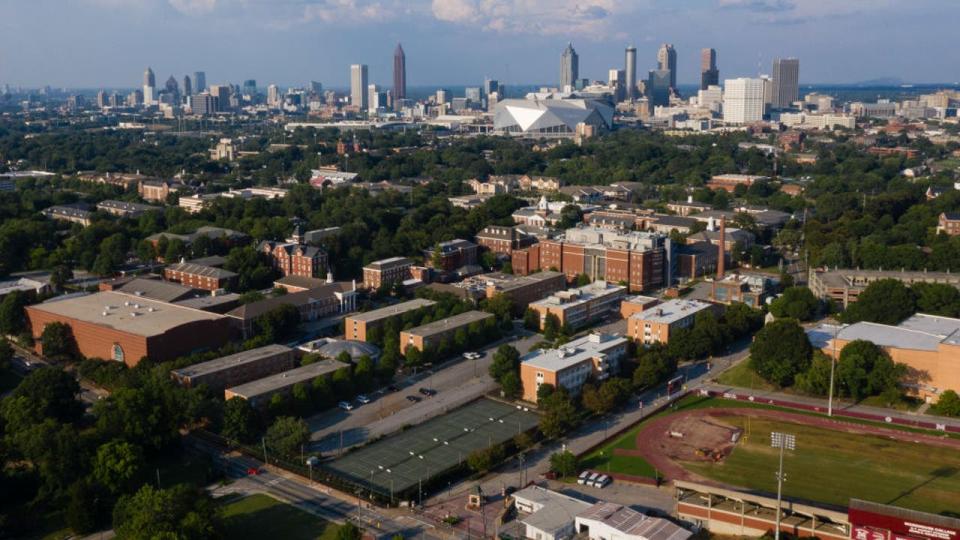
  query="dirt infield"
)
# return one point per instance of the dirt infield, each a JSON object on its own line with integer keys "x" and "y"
{"x": 705, "y": 436}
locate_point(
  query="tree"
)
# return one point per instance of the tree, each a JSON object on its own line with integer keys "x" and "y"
{"x": 816, "y": 379}
{"x": 182, "y": 511}
{"x": 570, "y": 215}
{"x": 239, "y": 420}
{"x": 886, "y": 301}
{"x": 551, "y": 326}
{"x": 780, "y": 351}
{"x": 531, "y": 320}
{"x": 60, "y": 276}
{"x": 948, "y": 404}
{"x": 544, "y": 391}
{"x": 116, "y": 464}
{"x": 564, "y": 463}
{"x": 511, "y": 386}
{"x": 560, "y": 414}
{"x": 349, "y": 531}
{"x": 796, "y": 303}
{"x": 6, "y": 352}
{"x": 593, "y": 401}
{"x": 412, "y": 356}
{"x": 13, "y": 319}
{"x": 278, "y": 323}
{"x": 500, "y": 305}
{"x": 654, "y": 365}
{"x": 57, "y": 342}
{"x": 864, "y": 369}
{"x": 583, "y": 280}
{"x": 287, "y": 435}
{"x": 47, "y": 392}
{"x": 342, "y": 381}
{"x": 505, "y": 360}
{"x": 937, "y": 299}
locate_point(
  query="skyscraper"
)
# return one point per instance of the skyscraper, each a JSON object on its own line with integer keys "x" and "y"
{"x": 658, "y": 88}
{"x": 187, "y": 86}
{"x": 358, "y": 86}
{"x": 630, "y": 82}
{"x": 399, "y": 73}
{"x": 786, "y": 82}
{"x": 373, "y": 101}
{"x": 742, "y": 101}
{"x": 171, "y": 86}
{"x": 569, "y": 68}
{"x": 615, "y": 78}
{"x": 709, "y": 74}
{"x": 250, "y": 88}
{"x": 199, "y": 81}
{"x": 667, "y": 61}
{"x": 490, "y": 86}
{"x": 149, "y": 87}
{"x": 273, "y": 96}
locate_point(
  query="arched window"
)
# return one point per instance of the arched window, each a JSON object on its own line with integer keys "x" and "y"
{"x": 117, "y": 353}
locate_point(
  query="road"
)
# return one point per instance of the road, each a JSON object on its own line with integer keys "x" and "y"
{"x": 456, "y": 383}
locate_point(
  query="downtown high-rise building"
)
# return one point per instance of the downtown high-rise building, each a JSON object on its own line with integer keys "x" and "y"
{"x": 199, "y": 81}
{"x": 250, "y": 88}
{"x": 658, "y": 88}
{"x": 273, "y": 96}
{"x": 742, "y": 101}
{"x": 786, "y": 82}
{"x": 709, "y": 74}
{"x": 358, "y": 86}
{"x": 149, "y": 87}
{"x": 399, "y": 73}
{"x": 667, "y": 61}
{"x": 373, "y": 98}
{"x": 615, "y": 78}
{"x": 630, "y": 69}
{"x": 187, "y": 86}
{"x": 569, "y": 68}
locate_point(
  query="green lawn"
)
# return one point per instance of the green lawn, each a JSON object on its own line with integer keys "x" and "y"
{"x": 262, "y": 516}
{"x": 742, "y": 375}
{"x": 831, "y": 467}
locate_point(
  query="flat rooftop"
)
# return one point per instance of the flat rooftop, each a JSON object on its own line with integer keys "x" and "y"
{"x": 390, "y": 261}
{"x": 125, "y": 312}
{"x": 392, "y": 310}
{"x": 572, "y": 297}
{"x": 572, "y": 353}
{"x": 226, "y": 362}
{"x": 851, "y": 277}
{"x": 443, "y": 325}
{"x": 672, "y": 311}
{"x": 509, "y": 282}
{"x": 920, "y": 332}
{"x": 303, "y": 374}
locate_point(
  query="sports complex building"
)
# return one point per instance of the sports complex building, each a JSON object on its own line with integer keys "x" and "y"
{"x": 395, "y": 467}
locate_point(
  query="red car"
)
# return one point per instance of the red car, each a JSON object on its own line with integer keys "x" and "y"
{"x": 252, "y": 471}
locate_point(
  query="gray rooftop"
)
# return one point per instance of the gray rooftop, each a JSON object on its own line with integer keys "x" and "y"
{"x": 572, "y": 297}
{"x": 285, "y": 379}
{"x": 443, "y": 325}
{"x": 391, "y": 311}
{"x": 201, "y": 270}
{"x": 226, "y": 362}
{"x": 633, "y": 523}
{"x": 920, "y": 332}
{"x": 672, "y": 311}
{"x": 573, "y": 352}
{"x": 556, "y": 509}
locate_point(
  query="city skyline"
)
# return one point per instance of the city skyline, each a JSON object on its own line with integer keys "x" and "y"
{"x": 460, "y": 42}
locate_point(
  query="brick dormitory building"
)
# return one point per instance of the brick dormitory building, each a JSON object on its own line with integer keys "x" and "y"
{"x": 642, "y": 260}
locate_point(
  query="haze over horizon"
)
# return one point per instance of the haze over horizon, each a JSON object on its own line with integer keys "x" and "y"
{"x": 109, "y": 43}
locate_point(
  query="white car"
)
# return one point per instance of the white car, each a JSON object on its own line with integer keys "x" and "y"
{"x": 582, "y": 479}
{"x": 591, "y": 479}
{"x": 601, "y": 482}
{"x": 362, "y": 399}
{"x": 345, "y": 405}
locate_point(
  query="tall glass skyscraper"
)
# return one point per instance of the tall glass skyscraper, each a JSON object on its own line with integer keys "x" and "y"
{"x": 569, "y": 68}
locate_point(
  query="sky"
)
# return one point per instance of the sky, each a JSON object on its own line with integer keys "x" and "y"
{"x": 109, "y": 43}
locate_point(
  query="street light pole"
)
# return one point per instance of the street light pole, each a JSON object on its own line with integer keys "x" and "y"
{"x": 782, "y": 441}
{"x": 833, "y": 363}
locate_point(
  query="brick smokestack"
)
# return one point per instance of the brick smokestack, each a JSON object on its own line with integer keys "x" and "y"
{"x": 722, "y": 249}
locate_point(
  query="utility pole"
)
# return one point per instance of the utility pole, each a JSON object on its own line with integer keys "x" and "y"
{"x": 782, "y": 441}
{"x": 263, "y": 441}
{"x": 833, "y": 363}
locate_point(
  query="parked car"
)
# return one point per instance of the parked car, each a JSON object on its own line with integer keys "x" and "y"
{"x": 582, "y": 479}
{"x": 362, "y": 399}
{"x": 345, "y": 405}
{"x": 413, "y": 399}
{"x": 393, "y": 388}
{"x": 427, "y": 391}
{"x": 591, "y": 479}
{"x": 601, "y": 482}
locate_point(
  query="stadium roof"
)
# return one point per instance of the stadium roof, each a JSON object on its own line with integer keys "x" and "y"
{"x": 550, "y": 115}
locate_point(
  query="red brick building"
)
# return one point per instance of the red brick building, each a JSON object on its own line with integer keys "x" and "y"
{"x": 392, "y": 270}
{"x": 949, "y": 223}
{"x": 199, "y": 276}
{"x": 501, "y": 239}
{"x": 293, "y": 259}
{"x": 127, "y": 328}
{"x": 453, "y": 255}
{"x": 729, "y": 182}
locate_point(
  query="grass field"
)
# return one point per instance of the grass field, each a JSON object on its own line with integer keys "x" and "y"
{"x": 262, "y": 516}
{"x": 831, "y": 467}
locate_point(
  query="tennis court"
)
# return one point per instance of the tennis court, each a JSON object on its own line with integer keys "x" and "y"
{"x": 399, "y": 462}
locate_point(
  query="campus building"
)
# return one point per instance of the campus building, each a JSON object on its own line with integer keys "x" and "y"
{"x": 453, "y": 255}
{"x": 581, "y": 306}
{"x": 607, "y": 520}
{"x": 501, "y": 239}
{"x": 642, "y": 260}
{"x": 430, "y": 335}
{"x": 522, "y": 290}
{"x": 127, "y": 328}
{"x": 594, "y": 356}
{"x": 656, "y": 324}
{"x": 844, "y": 285}
{"x": 235, "y": 369}
{"x": 729, "y": 182}
{"x": 749, "y": 289}
{"x": 199, "y": 276}
{"x": 929, "y": 345}
{"x": 125, "y": 209}
{"x": 392, "y": 270}
{"x": 358, "y": 326}
{"x": 258, "y": 392}
{"x": 293, "y": 258}
{"x": 330, "y": 299}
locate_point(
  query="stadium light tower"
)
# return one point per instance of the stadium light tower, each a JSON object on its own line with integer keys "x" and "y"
{"x": 782, "y": 441}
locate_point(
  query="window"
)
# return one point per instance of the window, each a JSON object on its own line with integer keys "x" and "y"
{"x": 117, "y": 353}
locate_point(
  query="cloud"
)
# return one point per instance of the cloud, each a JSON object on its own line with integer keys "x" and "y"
{"x": 789, "y": 12}
{"x": 354, "y": 11}
{"x": 548, "y": 17}
{"x": 193, "y": 7}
